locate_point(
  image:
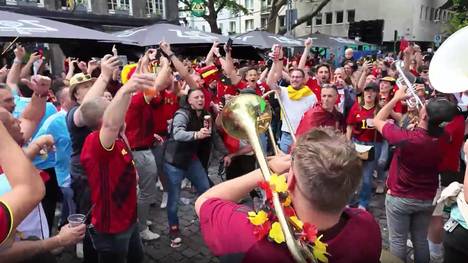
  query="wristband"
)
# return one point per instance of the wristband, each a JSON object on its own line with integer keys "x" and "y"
{"x": 17, "y": 61}
{"x": 45, "y": 95}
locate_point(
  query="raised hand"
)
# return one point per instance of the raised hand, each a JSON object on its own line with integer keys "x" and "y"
{"x": 83, "y": 67}
{"x": 308, "y": 43}
{"x": 165, "y": 47}
{"x": 140, "y": 81}
{"x": 34, "y": 57}
{"x": 109, "y": 63}
{"x": 92, "y": 66}
{"x": 20, "y": 52}
{"x": 39, "y": 84}
{"x": 3, "y": 73}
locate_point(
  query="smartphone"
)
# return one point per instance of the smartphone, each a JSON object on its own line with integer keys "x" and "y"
{"x": 123, "y": 60}
{"x": 229, "y": 43}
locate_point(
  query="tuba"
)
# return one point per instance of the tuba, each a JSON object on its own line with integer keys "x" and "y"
{"x": 245, "y": 117}
{"x": 448, "y": 71}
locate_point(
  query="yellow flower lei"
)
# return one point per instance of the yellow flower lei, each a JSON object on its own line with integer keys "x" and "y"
{"x": 265, "y": 220}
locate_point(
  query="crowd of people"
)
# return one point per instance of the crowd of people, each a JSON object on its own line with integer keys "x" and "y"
{"x": 102, "y": 136}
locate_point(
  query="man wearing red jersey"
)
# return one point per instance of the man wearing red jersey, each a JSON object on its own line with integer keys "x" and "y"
{"x": 319, "y": 195}
{"x": 323, "y": 114}
{"x": 111, "y": 174}
{"x": 140, "y": 133}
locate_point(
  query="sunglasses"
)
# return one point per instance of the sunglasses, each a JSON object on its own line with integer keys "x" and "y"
{"x": 83, "y": 78}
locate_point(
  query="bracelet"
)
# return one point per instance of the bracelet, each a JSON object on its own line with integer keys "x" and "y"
{"x": 195, "y": 135}
{"x": 45, "y": 95}
{"x": 17, "y": 61}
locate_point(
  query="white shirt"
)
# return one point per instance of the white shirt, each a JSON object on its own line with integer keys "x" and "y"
{"x": 295, "y": 108}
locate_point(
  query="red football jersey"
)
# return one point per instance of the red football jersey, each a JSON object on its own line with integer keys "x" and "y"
{"x": 361, "y": 120}
{"x": 112, "y": 180}
{"x": 139, "y": 122}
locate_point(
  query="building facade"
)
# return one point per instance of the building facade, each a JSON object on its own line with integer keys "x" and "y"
{"x": 105, "y": 15}
{"x": 416, "y": 20}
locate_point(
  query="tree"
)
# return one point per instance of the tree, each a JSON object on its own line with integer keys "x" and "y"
{"x": 214, "y": 7}
{"x": 308, "y": 16}
{"x": 275, "y": 8}
{"x": 460, "y": 15}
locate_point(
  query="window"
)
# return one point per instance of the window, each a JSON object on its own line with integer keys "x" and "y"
{"x": 203, "y": 28}
{"x": 249, "y": 24}
{"x": 80, "y": 5}
{"x": 328, "y": 18}
{"x": 232, "y": 26}
{"x": 249, "y": 4}
{"x": 339, "y": 17}
{"x": 154, "y": 7}
{"x": 318, "y": 19}
{"x": 220, "y": 26}
{"x": 426, "y": 15}
{"x": 40, "y": 3}
{"x": 282, "y": 21}
{"x": 421, "y": 12}
{"x": 264, "y": 22}
{"x": 432, "y": 14}
{"x": 309, "y": 22}
{"x": 114, "y": 5}
{"x": 266, "y": 4}
{"x": 351, "y": 16}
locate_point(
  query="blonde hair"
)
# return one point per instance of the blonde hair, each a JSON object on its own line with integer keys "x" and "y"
{"x": 92, "y": 112}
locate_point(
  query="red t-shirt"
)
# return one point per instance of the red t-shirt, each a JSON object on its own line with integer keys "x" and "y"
{"x": 260, "y": 89}
{"x": 112, "y": 180}
{"x": 6, "y": 222}
{"x": 226, "y": 230}
{"x": 313, "y": 85}
{"x": 361, "y": 120}
{"x": 139, "y": 122}
{"x": 168, "y": 104}
{"x": 451, "y": 143}
{"x": 413, "y": 171}
{"x": 316, "y": 117}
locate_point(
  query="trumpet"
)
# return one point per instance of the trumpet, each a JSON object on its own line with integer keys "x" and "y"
{"x": 413, "y": 98}
{"x": 245, "y": 117}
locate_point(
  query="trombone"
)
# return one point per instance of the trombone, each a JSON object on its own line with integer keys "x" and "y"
{"x": 245, "y": 117}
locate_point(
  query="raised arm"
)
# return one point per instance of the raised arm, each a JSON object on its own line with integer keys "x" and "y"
{"x": 114, "y": 116}
{"x": 179, "y": 66}
{"x": 26, "y": 70}
{"x": 305, "y": 54}
{"x": 382, "y": 116}
{"x": 109, "y": 63}
{"x": 276, "y": 70}
{"x": 209, "y": 60}
{"x": 15, "y": 71}
{"x": 34, "y": 111}
{"x": 27, "y": 189}
{"x": 228, "y": 67}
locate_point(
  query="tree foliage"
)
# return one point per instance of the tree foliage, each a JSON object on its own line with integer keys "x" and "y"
{"x": 214, "y": 7}
{"x": 460, "y": 16}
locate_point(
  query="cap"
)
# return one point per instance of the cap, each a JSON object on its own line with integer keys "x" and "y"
{"x": 389, "y": 79}
{"x": 440, "y": 112}
{"x": 372, "y": 85}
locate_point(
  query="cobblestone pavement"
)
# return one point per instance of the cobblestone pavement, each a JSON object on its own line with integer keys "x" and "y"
{"x": 193, "y": 248}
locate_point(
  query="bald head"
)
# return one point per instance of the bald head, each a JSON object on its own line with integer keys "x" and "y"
{"x": 92, "y": 112}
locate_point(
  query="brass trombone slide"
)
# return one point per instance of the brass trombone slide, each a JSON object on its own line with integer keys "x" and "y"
{"x": 283, "y": 111}
{"x": 245, "y": 117}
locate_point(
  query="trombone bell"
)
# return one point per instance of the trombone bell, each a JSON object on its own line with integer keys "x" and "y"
{"x": 246, "y": 109}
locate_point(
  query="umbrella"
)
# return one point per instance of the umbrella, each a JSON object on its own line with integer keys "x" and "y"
{"x": 173, "y": 34}
{"x": 14, "y": 25}
{"x": 263, "y": 39}
{"x": 328, "y": 41}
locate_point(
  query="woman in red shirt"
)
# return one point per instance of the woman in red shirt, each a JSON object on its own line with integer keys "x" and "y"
{"x": 360, "y": 129}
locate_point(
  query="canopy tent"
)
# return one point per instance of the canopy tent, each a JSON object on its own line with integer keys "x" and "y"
{"x": 328, "y": 41}
{"x": 173, "y": 34}
{"x": 14, "y": 25}
{"x": 265, "y": 40}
